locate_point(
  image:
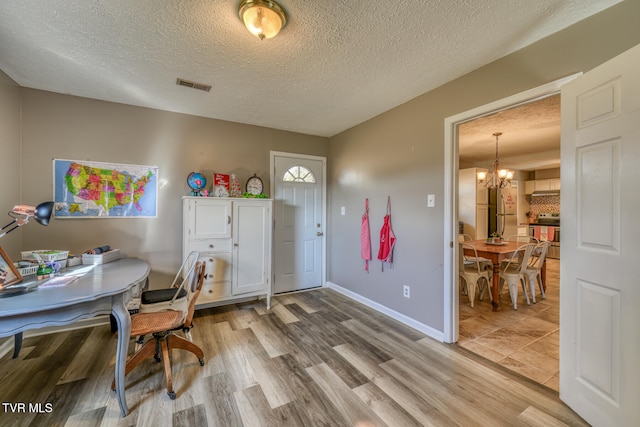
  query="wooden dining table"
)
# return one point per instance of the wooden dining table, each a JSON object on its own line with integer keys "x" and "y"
{"x": 496, "y": 253}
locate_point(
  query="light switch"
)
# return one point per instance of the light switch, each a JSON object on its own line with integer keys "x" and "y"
{"x": 431, "y": 200}
{"x": 343, "y": 210}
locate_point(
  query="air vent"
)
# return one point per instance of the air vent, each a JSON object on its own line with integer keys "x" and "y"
{"x": 193, "y": 85}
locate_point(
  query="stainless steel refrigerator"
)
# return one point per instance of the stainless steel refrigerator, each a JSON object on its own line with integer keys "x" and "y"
{"x": 503, "y": 211}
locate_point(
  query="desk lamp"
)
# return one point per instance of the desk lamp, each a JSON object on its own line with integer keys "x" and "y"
{"x": 22, "y": 213}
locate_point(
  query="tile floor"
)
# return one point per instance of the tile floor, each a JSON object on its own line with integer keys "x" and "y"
{"x": 525, "y": 341}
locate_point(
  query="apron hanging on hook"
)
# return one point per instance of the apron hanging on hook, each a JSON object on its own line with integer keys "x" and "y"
{"x": 387, "y": 238}
{"x": 365, "y": 236}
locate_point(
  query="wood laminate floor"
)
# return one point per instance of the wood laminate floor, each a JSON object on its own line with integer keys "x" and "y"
{"x": 526, "y": 341}
{"x": 316, "y": 359}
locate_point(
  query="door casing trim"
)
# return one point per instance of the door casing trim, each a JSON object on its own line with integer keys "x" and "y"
{"x": 451, "y": 321}
{"x": 272, "y": 168}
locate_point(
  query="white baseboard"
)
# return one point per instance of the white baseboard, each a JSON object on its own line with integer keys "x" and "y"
{"x": 406, "y": 320}
{"x": 80, "y": 324}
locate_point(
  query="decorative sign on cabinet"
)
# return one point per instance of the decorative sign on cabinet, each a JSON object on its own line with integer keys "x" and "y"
{"x": 233, "y": 237}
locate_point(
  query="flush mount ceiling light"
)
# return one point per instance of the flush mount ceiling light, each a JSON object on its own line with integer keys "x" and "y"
{"x": 263, "y": 18}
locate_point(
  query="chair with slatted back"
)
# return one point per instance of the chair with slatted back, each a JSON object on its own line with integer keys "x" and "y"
{"x": 473, "y": 275}
{"x": 164, "y": 323}
{"x": 534, "y": 269}
{"x": 512, "y": 272}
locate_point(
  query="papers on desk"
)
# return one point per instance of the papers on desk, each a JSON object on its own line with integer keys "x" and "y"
{"x": 58, "y": 281}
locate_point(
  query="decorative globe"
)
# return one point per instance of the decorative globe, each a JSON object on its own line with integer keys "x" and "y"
{"x": 197, "y": 182}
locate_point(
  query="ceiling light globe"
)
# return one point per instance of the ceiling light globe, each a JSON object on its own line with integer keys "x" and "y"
{"x": 263, "y": 18}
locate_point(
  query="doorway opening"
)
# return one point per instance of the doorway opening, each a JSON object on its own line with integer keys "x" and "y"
{"x": 453, "y": 126}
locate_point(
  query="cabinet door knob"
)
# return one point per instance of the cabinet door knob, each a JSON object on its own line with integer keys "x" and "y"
{"x": 235, "y": 245}
{"x": 211, "y": 246}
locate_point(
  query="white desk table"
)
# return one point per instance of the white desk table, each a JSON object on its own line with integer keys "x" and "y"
{"x": 99, "y": 290}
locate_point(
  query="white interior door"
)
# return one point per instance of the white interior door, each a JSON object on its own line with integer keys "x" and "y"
{"x": 299, "y": 228}
{"x": 599, "y": 285}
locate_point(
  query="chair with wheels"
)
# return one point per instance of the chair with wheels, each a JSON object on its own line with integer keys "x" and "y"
{"x": 512, "y": 272}
{"x": 163, "y": 323}
{"x": 471, "y": 273}
{"x": 533, "y": 272}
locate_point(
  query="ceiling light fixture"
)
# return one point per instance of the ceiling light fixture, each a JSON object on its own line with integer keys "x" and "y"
{"x": 499, "y": 178}
{"x": 263, "y": 18}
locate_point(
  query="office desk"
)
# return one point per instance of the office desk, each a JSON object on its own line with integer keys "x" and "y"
{"x": 99, "y": 290}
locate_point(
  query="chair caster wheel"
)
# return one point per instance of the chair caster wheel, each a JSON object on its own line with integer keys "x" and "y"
{"x": 201, "y": 362}
{"x": 157, "y": 359}
{"x": 172, "y": 395}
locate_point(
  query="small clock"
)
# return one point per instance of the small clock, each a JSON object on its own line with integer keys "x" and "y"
{"x": 254, "y": 185}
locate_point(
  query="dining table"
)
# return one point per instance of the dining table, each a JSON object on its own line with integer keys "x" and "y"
{"x": 497, "y": 252}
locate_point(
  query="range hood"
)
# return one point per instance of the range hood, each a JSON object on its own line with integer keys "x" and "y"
{"x": 546, "y": 193}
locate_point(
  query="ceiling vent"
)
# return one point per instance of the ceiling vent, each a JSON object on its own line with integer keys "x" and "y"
{"x": 193, "y": 85}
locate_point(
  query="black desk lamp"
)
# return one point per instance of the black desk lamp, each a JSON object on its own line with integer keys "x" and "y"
{"x": 22, "y": 213}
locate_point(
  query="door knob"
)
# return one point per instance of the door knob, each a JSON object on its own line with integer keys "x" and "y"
{"x": 319, "y": 233}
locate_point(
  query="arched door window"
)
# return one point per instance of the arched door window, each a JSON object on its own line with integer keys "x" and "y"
{"x": 299, "y": 174}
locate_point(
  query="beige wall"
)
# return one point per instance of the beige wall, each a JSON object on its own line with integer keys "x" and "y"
{"x": 401, "y": 153}
{"x": 68, "y": 127}
{"x": 9, "y": 160}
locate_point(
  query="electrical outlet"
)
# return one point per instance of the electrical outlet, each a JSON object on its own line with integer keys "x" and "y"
{"x": 406, "y": 291}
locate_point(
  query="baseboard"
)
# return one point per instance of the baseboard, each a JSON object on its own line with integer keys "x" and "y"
{"x": 406, "y": 320}
{"x": 80, "y": 324}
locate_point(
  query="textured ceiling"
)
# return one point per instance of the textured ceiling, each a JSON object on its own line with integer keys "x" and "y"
{"x": 336, "y": 64}
{"x": 530, "y": 137}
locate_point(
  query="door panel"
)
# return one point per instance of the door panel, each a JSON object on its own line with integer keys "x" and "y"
{"x": 299, "y": 225}
{"x": 599, "y": 292}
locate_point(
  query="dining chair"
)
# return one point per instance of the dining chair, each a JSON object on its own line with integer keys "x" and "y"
{"x": 471, "y": 273}
{"x": 533, "y": 272}
{"x": 512, "y": 272}
{"x": 485, "y": 263}
{"x": 164, "y": 323}
{"x": 522, "y": 239}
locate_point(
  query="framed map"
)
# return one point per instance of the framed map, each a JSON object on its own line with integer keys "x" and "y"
{"x": 83, "y": 189}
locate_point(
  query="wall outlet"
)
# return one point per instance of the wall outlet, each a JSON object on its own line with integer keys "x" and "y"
{"x": 406, "y": 291}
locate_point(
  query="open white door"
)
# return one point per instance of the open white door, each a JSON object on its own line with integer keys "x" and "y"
{"x": 599, "y": 270}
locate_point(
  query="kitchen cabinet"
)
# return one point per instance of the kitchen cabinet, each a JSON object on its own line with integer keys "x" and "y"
{"x": 473, "y": 199}
{"x": 529, "y": 187}
{"x": 234, "y": 239}
{"x": 541, "y": 185}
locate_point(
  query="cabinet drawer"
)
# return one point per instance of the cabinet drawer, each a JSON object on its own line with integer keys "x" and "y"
{"x": 214, "y": 291}
{"x": 210, "y": 245}
{"x": 217, "y": 267}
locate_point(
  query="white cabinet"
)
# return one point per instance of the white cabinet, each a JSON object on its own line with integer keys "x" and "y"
{"x": 233, "y": 237}
{"x": 473, "y": 200}
{"x": 529, "y": 187}
{"x": 542, "y": 185}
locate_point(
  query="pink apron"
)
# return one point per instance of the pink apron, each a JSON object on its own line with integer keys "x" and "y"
{"x": 365, "y": 237}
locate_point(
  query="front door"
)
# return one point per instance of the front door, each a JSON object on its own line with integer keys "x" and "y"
{"x": 599, "y": 281}
{"x": 298, "y": 194}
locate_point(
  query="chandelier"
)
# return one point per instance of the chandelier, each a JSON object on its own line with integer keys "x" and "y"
{"x": 499, "y": 178}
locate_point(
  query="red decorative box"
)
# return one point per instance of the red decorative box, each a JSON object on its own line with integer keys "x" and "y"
{"x": 221, "y": 185}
